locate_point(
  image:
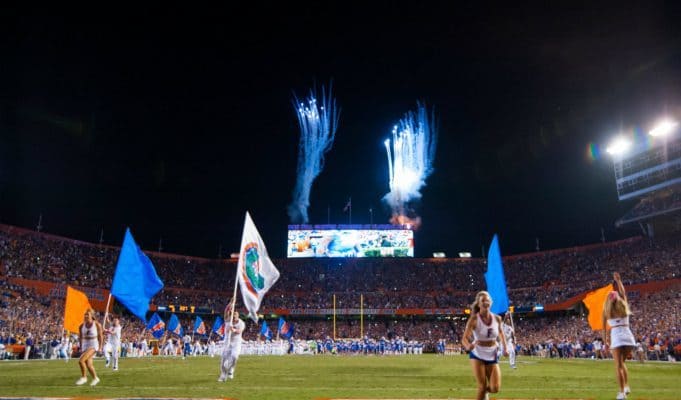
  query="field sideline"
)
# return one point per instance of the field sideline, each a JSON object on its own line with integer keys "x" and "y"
{"x": 317, "y": 377}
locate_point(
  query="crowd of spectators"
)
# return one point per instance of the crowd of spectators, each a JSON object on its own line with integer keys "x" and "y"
{"x": 548, "y": 277}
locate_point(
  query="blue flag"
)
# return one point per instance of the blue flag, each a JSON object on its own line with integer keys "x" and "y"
{"x": 219, "y": 327}
{"x": 265, "y": 331}
{"x": 199, "y": 326}
{"x": 496, "y": 282}
{"x": 135, "y": 281}
{"x": 286, "y": 329}
{"x": 156, "y": 326}
{"x": 174, "y": 326}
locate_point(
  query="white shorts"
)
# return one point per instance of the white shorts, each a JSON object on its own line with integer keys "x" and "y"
{"x": 485, "y": 353}
{"x": 90, "y": 344}
{"x": 621, "y": 336}
{"x": 233, "y": 350}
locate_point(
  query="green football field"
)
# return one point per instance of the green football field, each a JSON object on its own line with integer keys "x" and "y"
{"x": 333, "y": 377}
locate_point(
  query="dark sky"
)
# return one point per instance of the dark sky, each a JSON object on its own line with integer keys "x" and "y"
{"x": 175, "y": 122}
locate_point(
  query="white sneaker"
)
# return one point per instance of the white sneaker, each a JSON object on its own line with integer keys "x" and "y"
{"x": 94, "y": 382}
{"x": 627, "y": 390}
{"x": 221, "y": 378}
{"x": 230, "y": 376}
{"x": 621, "y": 396}
{"x": 81, "y": 381}
{"x": 115, "y": 368}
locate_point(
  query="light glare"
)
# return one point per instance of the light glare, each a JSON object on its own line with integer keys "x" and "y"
{"x": 618, "y": 146}
{"x": 664, "y": 128}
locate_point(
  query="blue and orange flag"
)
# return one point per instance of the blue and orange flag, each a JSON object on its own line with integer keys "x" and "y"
{"x": 174, "y": 326}
{"x": 286, "y": 329}
{"x": 495, "y": 279}
{"x": 156, "y": 326}
{"x": 265, "y": 331}
{"x": 135, "y": 281}
{"x": 219, "y": 327}
{"x": 199, "y": 326}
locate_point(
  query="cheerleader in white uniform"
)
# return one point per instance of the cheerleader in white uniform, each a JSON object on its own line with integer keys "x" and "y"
{"x": 485, "y": 328}
{"x": 622, "y": 342}
{"x": 91, "y": 341}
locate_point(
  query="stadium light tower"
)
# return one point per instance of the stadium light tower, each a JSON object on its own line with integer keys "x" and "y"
{"x": 663, "y": 128}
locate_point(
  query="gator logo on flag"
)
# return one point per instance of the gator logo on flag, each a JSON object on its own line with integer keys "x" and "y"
{"x": 285, "y": 329}
{"x": 178, "y": 330}
{"x": 251, "y": 271}
{"x": 159, "y": 326}
{"x": 201, "y": 329}
{"x": 221, "y": 330}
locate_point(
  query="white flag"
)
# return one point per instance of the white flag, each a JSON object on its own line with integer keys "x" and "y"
{"x": 255, "y": 270}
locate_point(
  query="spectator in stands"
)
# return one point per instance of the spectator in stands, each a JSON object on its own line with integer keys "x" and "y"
{"x": 485, "y": 328}
{"x": 622, "y": 342}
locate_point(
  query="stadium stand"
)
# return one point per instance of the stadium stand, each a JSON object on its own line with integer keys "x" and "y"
{"x": 414, "y": 299}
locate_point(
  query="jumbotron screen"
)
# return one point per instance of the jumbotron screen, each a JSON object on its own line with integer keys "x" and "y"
{"x": 350, "y": 243}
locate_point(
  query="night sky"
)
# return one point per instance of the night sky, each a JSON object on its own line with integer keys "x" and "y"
{"x": 175, "y": 122}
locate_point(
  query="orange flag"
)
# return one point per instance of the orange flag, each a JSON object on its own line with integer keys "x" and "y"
{"x": 594, "y": 303}
{"x": 74, "y": 309}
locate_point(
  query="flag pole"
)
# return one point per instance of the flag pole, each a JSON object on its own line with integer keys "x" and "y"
{"x": 232, "y": 305}
{"x": 515, "y": 341}
{"x": 106, "y": 311}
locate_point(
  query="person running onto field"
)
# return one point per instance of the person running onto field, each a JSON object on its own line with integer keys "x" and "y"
{"x": 91, "y": 341}
{"x": 115, "y": 341}
{"x": 232, "y": 346}
{"x": 484, "y": 327}
{"x": 509, "y": 334}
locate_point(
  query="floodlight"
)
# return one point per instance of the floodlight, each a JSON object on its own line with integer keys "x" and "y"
{"x": 663, "y": 128}
{"x": 619, "y": 146}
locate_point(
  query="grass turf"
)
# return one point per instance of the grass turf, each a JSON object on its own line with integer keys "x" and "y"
{"x": 315, "y": 377}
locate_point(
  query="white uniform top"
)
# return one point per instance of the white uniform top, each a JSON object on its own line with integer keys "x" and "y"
{"x": 90, "y": 337}
{"x": 65, "y": 344}
{"x": 620, "y": 334}
{"x": 234, "y": 338}
{"x": 484, "y": 332}
{"x": 508, "y": 334}
{"x": 115, "y": 336}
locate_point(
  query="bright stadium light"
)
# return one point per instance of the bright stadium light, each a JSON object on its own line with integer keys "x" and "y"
{"x": 618, "y": 146}
{"x": 663, "y": 128}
